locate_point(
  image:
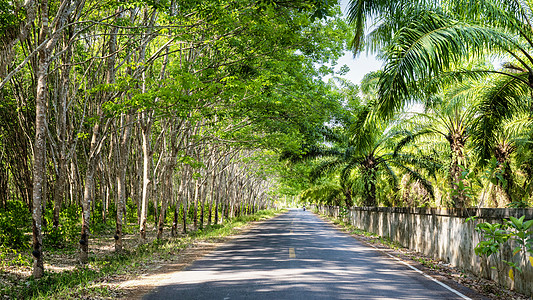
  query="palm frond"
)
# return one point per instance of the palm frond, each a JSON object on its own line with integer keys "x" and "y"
{"x": 429, "y": 45}
{"x": 513, "y": 15}
{"x": 389, "y": 14}
{"x": 325, "y": 167}
{"x": 328, "y": 193}
{"x": 496, "y": 105}
{"x": 417, "y": 176}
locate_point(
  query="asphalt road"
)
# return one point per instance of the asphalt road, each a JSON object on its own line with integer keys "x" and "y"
{"x": 298, "y": 256}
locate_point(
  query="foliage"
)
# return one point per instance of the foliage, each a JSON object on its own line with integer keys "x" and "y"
{"x": 10, "y": 17}
{"x": 361, "y": 152}
{"x": 14, "y": 219}
{"x": 440, "y": 52}
{"x": 66, "y": 234}
{"x": 517, "y": 232}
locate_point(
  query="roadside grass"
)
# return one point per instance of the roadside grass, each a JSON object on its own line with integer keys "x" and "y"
{"x": 84, "y": 280}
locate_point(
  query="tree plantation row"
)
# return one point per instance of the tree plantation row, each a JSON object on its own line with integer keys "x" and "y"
{"x": 114, "y": 112}
{"x": 446, "y": 122}
{"x": 183, "y": 113}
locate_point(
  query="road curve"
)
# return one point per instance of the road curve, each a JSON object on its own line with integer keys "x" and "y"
{"x": 298, "y": 256}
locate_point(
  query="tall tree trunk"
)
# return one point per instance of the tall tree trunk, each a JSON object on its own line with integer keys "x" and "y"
{"x": 185, "y": 207}
{"x": 59, "y": 192}
{"x": 166, "y": 193}
{"x": 39, "y": 147}
{"x": 61, "y": 124}
{"x": 216, "y": 208}
{"x": 147, "y": 162}
{"x": 89, "y": 189}
{"x": 39, "y": 161}
{"x": 458, "y": 164}
{"x": 195, "y": 212}
{"x": 179, "y": 204}
{"x": 122, "y": 162}
{"x": 175, "y": 220}
{"x": 202, "y": 203}
{"x": 86, "y": 213}
{"x": 211, "y": 199}
{"x": 74, "y": 181}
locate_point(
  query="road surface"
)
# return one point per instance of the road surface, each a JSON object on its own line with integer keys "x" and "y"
{"x": 299, "y": 256}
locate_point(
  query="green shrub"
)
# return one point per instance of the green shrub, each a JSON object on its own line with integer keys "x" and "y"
{"x": 15, "y": 221}
{"x": 67, "y": 233}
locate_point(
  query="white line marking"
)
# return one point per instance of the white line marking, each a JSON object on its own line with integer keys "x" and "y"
{"x": 426, "y": 275}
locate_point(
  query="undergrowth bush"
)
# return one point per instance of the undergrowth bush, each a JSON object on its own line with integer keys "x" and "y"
{"x": 15, "y": 221}
{"x": 67, "y": 233}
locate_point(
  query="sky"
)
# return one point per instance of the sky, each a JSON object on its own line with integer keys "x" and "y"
{"x": 359, "y": 65}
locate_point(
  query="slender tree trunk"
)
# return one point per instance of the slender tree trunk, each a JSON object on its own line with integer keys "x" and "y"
{"x": 39, "y": 160}
{"x": 185, "y": 208}
{"x": 179, "y": 204}
{"x": 61, "y": 124}
{"x": 155, "y": 187}
{"x": 74, "y": 185}
{"x": 216, "y": 208}
{"x": 195, "y": 212}
{"x": 147, "y": 161}
{"x": 122, "y": 161}
{"x": 86, "y": 214}
{"x": 89, "y": 190}
{"x": 139, "y": 189}
{"x": 59, "y": 192}
{"x": 211, "y": 199}
{"x": 202, "y": 203}
{"x": 166, "y": 193}
{"x": 39, "y": 147}
{"x": 175, "y": 221}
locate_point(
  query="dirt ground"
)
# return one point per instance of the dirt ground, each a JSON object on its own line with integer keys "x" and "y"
{"x": 131, "y": 285}
{"x": 138, "y": 285}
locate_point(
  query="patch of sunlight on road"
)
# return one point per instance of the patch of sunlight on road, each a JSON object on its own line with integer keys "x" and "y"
{"x": 281, "y": 276}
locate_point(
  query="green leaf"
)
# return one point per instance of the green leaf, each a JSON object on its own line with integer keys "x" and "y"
{"x": 528, "y": 224}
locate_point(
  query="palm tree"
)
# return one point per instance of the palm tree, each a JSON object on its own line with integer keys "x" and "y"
{"x": 425, "y": 40}
{"x": 363, "y": 153}
{"x": 421, "y": 39}
{"x": 449, "y": 119}
{"x": 362, "y": 150}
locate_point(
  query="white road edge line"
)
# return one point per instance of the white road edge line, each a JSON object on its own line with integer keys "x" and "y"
{"x": 426, "y": 275}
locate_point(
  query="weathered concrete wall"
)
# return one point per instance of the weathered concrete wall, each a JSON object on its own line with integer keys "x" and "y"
{"x": 445, "y": 234}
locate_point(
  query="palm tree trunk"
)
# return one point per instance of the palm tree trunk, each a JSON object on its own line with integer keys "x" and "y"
{"x": 503, "y": 154}
{"x": 457, "y": 166}
{"x": 370, "y": 187}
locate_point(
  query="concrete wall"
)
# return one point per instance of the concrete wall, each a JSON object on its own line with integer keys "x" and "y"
{"x": 444, "y": 234}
